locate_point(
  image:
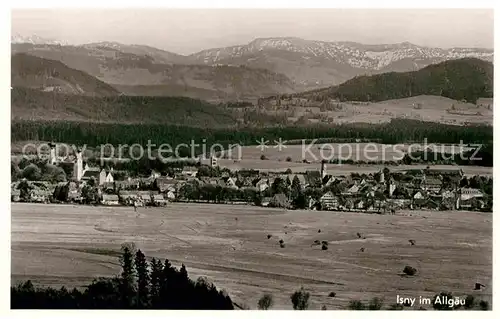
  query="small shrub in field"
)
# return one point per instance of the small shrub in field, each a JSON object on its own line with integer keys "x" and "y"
{"x": 269, "y": 236}
{"x": 470, "y": 302}
{"x": 355, "y": 305}
{"x": 332, "y": 294}
{"x": 324, "y": 242}
{"x": 375, "y": 304}
{"x": 265, "y": 302}
{"x": 317, "y": 242}
{"x": 319, "y": 230}
{"x": 410, "y": 271}
{"x": 300, "y": 299}
{"x": 263, "y": 157}
{"x": 324, "y": 247}
{"x": 323, "y": 307}
{"x": 282, "y": 245}
{"x": 281, "y": 241}
{"x": 395, "y": 306}
{"x": 288, "y": 159}
{"x": 484, "y": 305}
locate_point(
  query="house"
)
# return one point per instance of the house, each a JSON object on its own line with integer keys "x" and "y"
{"x": 391, "y": 187}
{"x": 171, "y": 195}
{"x": 261, "y": 184}
{"x": 328, "y": 180}
{"x": 329, "y": 201}
{"x": 158, "y": 200}
{"x": 229, "y": 182}
{"x": 432, "y": 184}
{"x": 154, "y": 174}
{"x": 265, "y": 201}
{"x": 110, "y": 199}
{"x": 165, "y": 184}
{"x": 129, "y": 198}
{"x": 353, "y": 190}
{"x": 469, "y": 198}
{"x": 146, "y": 197}
{"x": 191, "y": 171}
{"x": 100, "y": 176}
{"x": 453, "y": 174}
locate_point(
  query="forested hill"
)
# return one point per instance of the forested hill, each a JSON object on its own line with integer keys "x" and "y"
{"x": 50, "y": 75}
{"x": 464, "y": 79}
{"x": 29, "y": 104}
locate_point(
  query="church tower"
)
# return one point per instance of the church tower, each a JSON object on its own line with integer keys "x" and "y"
{"x": 78, "y": 167}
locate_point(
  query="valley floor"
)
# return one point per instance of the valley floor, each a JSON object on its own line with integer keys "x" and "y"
{"x": 70, "y": 245}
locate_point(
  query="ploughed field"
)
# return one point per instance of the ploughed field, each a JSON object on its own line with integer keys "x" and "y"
{"x": 70, "y": 245}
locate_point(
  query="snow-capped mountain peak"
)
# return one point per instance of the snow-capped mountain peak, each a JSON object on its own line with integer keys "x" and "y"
{"x": 35, "y": 39}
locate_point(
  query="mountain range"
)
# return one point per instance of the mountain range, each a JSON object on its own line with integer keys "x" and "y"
{"x": 263, "y": 67}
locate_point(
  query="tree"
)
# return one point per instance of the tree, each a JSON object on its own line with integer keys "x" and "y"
{"x": 32, "y": 172}
{"x": 142, "y": 272}
{"x": 265, "y": 302}
{"x": 156, "y": 281}
{"x": 15, "y": 172}
{"x": 356, "y": 305}
{"x": 127, "y": 277}
{"x": 300, "y": 299}
{"x": 375, "y": 304}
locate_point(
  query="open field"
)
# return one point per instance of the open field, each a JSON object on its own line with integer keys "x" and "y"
{"x": 64, "y": 244}
{"x": 423, "y": 107}
{"x": 315, "y": 152}
{"x": 337, "y": 170}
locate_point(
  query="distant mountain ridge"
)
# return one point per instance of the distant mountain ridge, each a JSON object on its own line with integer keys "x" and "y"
{"x": 319, "y": 63}
{"x": 280, "y": 65}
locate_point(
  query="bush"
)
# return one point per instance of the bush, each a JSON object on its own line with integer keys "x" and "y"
{"x": 324, "y": 247}
{"x": 269, "y": 236}
{"x": 484, "y": 305}
{"x": 332, "y": 294}
{"x": 355, "y": 305}
{"x": 263, "y": 157}
{"x": 265, "y": 302}
{"x": 470, "y": 302}
{"x": 300, "y": 299}
{"x": 288, "y": 159}
{"x": 323, "y": 307}
{"x": 375, "y": 304}
{"x": 324, "y": 242}
{"x": 410, "y": 271}
{"x": 396, "y": 306}
{"x": 282, "y": 245}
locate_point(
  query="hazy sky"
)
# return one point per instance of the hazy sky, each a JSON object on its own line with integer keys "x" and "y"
{"x": 189, "y": 30}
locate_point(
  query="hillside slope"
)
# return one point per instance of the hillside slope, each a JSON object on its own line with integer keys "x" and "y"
{"x": 463, "y": 79}
{"x": 145, "y": 68}
{"x": 49, "y": 75}
{"x": 29, "y": 104}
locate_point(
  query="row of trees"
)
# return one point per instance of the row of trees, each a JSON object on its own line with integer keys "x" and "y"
{"x": 37, "y": 171}
{"x": 95, "y": 134}
{"x": 141, "y": 285}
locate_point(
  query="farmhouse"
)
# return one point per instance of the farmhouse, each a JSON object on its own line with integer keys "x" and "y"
{"x": 165, "y": 184}
{"x": 329, "y": 201}
{"x": 158, "y": 200}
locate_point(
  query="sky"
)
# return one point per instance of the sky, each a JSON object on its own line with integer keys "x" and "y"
{"x": 186, "y": 31}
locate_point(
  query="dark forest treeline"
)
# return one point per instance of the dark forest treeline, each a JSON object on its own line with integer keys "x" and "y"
{"x": 95, "y": 134}
{"x": 463, "y": 79}
{"x": 141, "y": 285}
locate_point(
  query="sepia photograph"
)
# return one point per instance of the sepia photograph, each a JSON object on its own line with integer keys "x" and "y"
{"x": 251, "y": 159}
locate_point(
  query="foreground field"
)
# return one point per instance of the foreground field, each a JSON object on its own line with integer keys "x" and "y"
{"x": 64, "y": 244}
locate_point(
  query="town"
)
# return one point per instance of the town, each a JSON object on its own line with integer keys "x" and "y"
{"x": 386, "y": 191}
